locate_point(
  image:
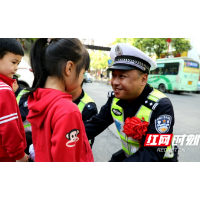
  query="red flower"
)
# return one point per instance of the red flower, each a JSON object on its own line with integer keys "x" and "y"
{"x": 135, "y": 127}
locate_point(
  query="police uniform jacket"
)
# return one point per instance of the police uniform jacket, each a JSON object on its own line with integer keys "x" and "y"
{"x": 101, "y": 121}
{"x": 23, "y": 106}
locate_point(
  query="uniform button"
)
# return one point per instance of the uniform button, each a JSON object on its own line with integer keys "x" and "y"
{"x": 88, "y": 105}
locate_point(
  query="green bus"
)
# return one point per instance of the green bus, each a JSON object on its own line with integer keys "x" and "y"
{"x": 175, "y": 74}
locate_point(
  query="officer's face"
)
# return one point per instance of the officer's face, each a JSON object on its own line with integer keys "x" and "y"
{"x": 129, "y": 84}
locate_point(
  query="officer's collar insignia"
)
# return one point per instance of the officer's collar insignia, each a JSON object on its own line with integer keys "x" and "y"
{"x": 116, "y": 112}
{"x": 111, "y": 94}
{"x": 118, "y": 50}
{"x": 162, "y": 123}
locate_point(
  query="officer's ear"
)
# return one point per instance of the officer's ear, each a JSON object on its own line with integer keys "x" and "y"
{"x": 144, "y": 79}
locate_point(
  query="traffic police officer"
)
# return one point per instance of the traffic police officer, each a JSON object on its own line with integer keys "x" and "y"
{"x": 85, "y": 104}
{"x": 23, "y": 107}
{"x": 132, "y": 96}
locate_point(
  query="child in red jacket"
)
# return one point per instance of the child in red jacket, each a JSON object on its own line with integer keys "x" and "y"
{"x": 58, "y": 132}
{"x": 12, "y": 134}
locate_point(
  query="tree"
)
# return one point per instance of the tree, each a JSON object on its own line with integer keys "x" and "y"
{"x": 32, "y": 40}
{"x": 181, "y": 44}
{"x": 99, "y": 60}
{"x": 27, "y": 43}
{"x": 130, "y": 41}
{"x": 147, "y": 45}
{"x": 159, "y": 45}
{"x": 152, "y": 45}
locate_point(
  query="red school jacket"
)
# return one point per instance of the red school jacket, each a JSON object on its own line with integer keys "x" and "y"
{"x": 58, "y": 132}
{"x": 12, "y": 134}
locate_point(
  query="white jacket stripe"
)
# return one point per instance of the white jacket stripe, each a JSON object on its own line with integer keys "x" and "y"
{"x": 7, "y": 116}
{"x": 5, "y": 88}
{"x": 7, "y": 120}
{"x": 3, "y": 84}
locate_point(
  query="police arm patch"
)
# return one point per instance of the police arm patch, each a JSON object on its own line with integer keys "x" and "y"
{"x": 163, "y": 123}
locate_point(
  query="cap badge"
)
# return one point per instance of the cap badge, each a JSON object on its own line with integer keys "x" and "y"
{"x": 118, "y": 50}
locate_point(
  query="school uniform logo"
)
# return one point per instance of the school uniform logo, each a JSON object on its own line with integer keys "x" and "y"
{"x": 72, "y": 137}
{"x": 116, "y": 112}
{"x": 163, "y": 123}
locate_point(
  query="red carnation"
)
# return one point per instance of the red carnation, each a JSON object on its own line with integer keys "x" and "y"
{"x": 135, "y": 127}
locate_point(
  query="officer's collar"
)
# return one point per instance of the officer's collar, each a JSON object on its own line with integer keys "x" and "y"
{"x": 18, "y": 91}
{"x": 129, "y": 106}
{"x": 79, "y": 98}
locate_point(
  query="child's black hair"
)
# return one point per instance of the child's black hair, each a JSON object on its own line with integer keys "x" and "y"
{"x": 51, "y": 59}
{"x": 87, "y": 61}
{"x": 10, "y": 45}
{"x": 87, "y": 65}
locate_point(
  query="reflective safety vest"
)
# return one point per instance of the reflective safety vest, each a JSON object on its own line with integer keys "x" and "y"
{"x": 27, "y": 125}
{"x": 85, "y": 100}
{"x": 130, "y": 145}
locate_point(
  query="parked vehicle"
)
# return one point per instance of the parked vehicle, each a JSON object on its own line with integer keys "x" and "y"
{"x": 84, "y": 78}
{"x": 25, "y": 76}
{"x": 198, "y": 87}
{"x": 89, "y": 78}
{"x": 175, "y": 74}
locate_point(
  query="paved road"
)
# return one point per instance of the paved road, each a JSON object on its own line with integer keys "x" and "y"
{"x": 187, "y": 121}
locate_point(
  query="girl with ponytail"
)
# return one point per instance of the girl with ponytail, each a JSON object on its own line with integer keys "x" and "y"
{"x": 58, "y": 132}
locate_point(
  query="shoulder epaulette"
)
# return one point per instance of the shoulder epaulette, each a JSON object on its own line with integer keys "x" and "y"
{"x": 89, "y": 106}
{"x": 150, "y": 104}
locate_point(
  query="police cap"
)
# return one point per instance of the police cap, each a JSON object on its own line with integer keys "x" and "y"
{"x": 127, "y": 57}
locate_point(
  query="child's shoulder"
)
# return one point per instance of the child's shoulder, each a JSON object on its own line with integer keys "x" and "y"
{"x": 67, "y": 105}
{"x": 5, "y": 88}
{"x": 6, "y": 93}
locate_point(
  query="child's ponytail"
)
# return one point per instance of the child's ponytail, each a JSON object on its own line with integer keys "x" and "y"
{"x": 37, "y": 59}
